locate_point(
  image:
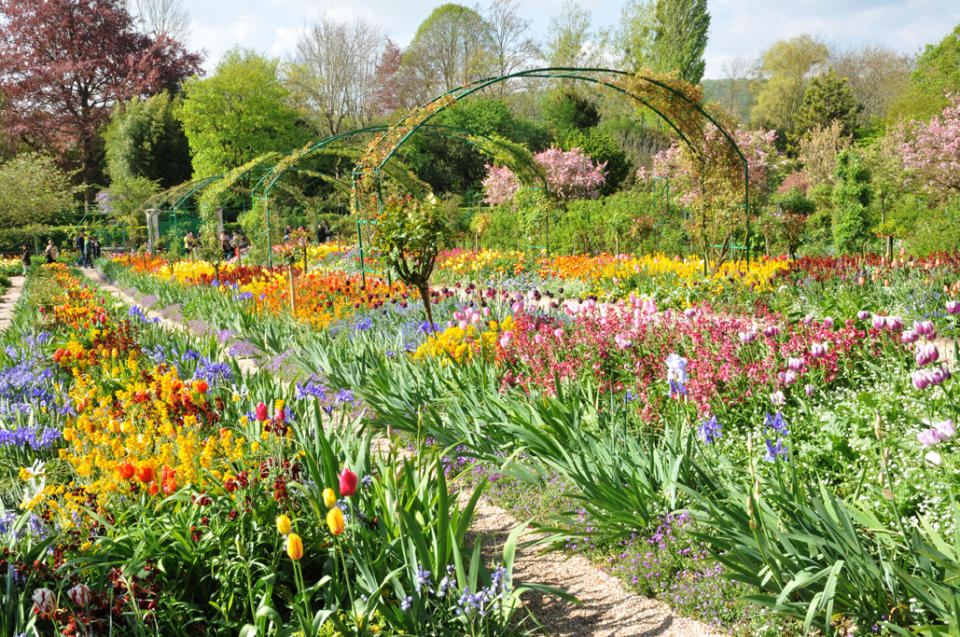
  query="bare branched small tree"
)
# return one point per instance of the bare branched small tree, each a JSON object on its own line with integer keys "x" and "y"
{"x": 161, "y": 18}
{"x": 334, "y": 72}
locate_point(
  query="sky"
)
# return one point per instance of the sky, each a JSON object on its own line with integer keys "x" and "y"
{"x": 738, "y": 29}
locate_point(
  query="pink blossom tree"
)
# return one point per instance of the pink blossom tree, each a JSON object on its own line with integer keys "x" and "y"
{"x": 931, "y": 150}
{"x": 570, "y": 174}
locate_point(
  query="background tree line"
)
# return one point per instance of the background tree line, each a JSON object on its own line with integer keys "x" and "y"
{"x": 157, "y": 122}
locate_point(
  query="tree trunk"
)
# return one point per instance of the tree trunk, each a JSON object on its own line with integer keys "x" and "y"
{"x": 425, "y": 296}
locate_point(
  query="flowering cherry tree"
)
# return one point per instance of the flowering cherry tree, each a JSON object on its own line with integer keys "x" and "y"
{"x": 931, "y": 150}
{"x": 570, "y": 174}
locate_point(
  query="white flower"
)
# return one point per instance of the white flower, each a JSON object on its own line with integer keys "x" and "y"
{"x": 777, "y": 398}
{"x": 934, "y": 458}
{"x": 43, "y": 601}
{"x": 79, "y": 595}
{"x": 677, "y": 369}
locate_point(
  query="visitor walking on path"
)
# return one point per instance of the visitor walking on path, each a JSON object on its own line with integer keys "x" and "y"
{"x": 25, "y": 257}
{"x": 51, "y": 252}
{"x": 78, "y": 245}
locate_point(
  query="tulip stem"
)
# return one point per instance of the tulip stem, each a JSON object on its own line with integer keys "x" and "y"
{"x": 346, "y": 578}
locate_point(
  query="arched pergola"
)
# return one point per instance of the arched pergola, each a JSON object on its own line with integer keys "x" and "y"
{"x": 676, "y": 102}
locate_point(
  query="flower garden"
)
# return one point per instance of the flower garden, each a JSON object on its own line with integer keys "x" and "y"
{"x": 769, "y": 449}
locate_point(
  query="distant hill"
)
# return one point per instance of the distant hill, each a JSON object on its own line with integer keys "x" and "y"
{"x": 733, "y": 96}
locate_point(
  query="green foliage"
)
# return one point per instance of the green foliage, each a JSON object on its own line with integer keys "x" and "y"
{"x": 601, "y": 147}
{"x": 785, "y": 66}
{"x": 451, "y": 47}
{"x": 128, "y": 198}
{"x": 852, "y": 195}
{"x": 33, "y": 190}
{"x": 455, "y": 166}
{"x": 410, "y": 234}
{"x": 145, "y": 139}
{"x": 237, "y": 114}
{"x": 680, "y": 38}
{"x": 565, "y": 112}
{"x": 826, "y": 99}
{"x": 937, "y": 73}
{"x": 575, "y": 123}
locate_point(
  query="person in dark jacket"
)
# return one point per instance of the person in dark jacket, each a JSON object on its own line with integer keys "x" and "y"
{"x": 78, "y": 245}
{"x": 25, "y": 257}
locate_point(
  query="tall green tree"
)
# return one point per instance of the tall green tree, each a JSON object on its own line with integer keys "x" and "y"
{"x": 827, "y": 99}
{"x": 785, "y": 67}
{"x": 453, "y": 46}
{"x": 851, "y": 195}
{"x": 238, "y": 113}
{"x": 680, "y": 37}
{"x": 145, "y": 139}
{"x": 33, "y": 190}
{"x": 937, "y": 73}
{"x": 569, "y": 37}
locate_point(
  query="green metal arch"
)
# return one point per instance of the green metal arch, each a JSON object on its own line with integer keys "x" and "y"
{"x": 575, "y": 73}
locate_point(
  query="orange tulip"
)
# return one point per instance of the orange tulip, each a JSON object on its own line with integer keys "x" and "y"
{"x": 145, "y": 474}
{"x": 126, "y": 470}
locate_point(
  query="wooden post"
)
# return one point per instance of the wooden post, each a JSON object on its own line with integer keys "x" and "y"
{"x": 293, "y": 298}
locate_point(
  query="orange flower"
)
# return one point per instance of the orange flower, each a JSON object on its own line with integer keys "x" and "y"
{"x": 202, "y": 386}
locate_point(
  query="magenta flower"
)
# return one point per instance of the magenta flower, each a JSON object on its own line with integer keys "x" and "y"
{"x": 953, "y": 307}
{"x": 926, "y": 354}
{"x": 909, "y": 336}
{"x": 863, "y": 315}
{"x": 809, "y": 389}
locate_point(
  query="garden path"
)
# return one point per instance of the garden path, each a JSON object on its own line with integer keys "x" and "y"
{"x": 606, "y": 608}
{"x": 8, "y": 299}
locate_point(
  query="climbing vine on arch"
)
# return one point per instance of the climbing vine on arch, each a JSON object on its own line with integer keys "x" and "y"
{"x": 676, "y": 101}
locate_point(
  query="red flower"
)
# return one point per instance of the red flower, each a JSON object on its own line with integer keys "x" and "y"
{"x": 202, "y": 386}
{"x": 348, "y": 482}
{"x": 261, "y": 411}
{"x": 126, "y": 470}
{"x": 145, "y": 474}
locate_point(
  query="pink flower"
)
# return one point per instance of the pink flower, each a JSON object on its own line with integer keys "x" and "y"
{"x": 828, "y": 322}
{"x": 927, "y": 437}
{"x": 879, "y": 322}
{"x": 796, "y": 364}
{"x": 262, "y": 411}
{"x": 863, "y": 315}
{"x": 809, "y": 389}
{"x": 944, "y": 430}
{"x": 559, "y": 334}
{"x": 909, "y": 336}
{"x": 927, "y": 353}
{"x": 747, "y": 337}
{"x": 953, "y": 307}
{"x": 819, "y": 350}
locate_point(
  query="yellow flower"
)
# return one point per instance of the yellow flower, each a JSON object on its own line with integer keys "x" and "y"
{"x": 294, "y": 546}
{"x": 329, "y": 498}
{"x": 283, "y": 525}
{"x": 335, "y": 521}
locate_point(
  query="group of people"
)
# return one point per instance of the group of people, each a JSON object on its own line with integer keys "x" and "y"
{"x": 231, "y": 245}
{"x": 88, "y": 249}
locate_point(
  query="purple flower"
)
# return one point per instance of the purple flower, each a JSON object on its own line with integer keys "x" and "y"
{"x": 944, "y": 430}
{"x": 953, "y": 307}
{"x": 863, "y": 315}
{"x": 927, "y": 438}
{"x": 774, "y": 450}
{"x": 809, "y": 389}
{"x": 909, "y": 336}
{"x": 710, "y": 430}
{"x": 776, "y": 423}
{"x": 927, "y": 353}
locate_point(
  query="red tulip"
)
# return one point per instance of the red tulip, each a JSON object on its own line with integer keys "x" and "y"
{"x": 348, "y": 482}
{"x": 202, "y": 386}
{"x": 145, "y": 474}
{"x": 126, "y": 470}
{"x": 261, "y": 411}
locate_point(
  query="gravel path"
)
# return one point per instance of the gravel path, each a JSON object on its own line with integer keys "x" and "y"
{"x": 606, "y": 608}
{"x": 8, "y": 299}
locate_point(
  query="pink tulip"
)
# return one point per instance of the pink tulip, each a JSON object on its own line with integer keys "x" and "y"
{"x": 348, "y": 482}
{"x": 262, "y": 411}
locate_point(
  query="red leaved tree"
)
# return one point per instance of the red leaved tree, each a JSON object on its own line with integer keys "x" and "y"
{"x": 65, "y": 63}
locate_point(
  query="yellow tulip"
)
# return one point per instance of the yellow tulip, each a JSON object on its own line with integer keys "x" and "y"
{"x": 283, "y": 525}
{"x": 294, "y": 546}
{"x": 329, "y": 498}
{"x": 335, "y": 521}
